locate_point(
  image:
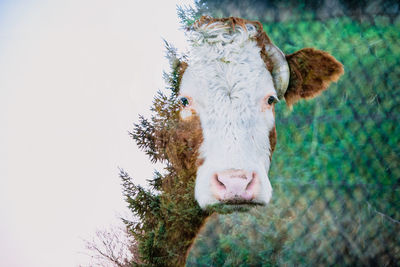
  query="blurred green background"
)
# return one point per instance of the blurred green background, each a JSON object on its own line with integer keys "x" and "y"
{"x": 335, "y": 170}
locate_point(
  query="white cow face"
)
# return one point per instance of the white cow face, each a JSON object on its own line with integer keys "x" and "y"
{"x": 229, "y": 88}
{"x": 234, "y": 77}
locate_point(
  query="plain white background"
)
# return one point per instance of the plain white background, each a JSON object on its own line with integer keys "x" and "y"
{"x": 74, "y": 75}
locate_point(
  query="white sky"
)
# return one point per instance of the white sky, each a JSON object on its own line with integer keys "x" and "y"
{"x": 74, "y": 75}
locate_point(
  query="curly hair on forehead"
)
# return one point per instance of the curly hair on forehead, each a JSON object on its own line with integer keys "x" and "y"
{"x": 232, "y": 23}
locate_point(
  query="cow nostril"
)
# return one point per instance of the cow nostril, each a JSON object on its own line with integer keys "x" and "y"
{"x": 220, "y": 184}
{"x": 252, "y": 181}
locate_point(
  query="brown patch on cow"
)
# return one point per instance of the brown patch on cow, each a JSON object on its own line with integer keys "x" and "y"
{"x": 184, "y": 142}
{"x": 261, "y": 37}
{"x": 272, "y": 138}
{"x": 180, "y": 141}
{"x": 272, "y": 142}
{"x": 181, "y": 70}
{"x": 311, "y": 72}
{"x": 190, "y": 131}
{"x": 199, "y": 162}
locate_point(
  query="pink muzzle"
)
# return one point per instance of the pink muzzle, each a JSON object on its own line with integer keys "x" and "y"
{"x": 234, "y": 185}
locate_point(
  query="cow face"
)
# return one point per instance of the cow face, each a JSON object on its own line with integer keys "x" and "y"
{"x": 235, "y": 76}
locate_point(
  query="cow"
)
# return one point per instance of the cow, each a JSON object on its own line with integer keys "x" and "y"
{"x": 232, "y": 79}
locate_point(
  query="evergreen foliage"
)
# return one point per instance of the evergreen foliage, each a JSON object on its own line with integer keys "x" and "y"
{"x": 167, "y": 215}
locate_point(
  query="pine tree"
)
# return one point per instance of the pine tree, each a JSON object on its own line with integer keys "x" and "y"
{"x": 168, "y": 216}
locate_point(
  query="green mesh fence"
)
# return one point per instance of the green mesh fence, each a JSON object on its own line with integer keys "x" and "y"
{"x": 335, "y": 170}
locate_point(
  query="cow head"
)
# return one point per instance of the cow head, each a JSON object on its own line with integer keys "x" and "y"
{"x": 234, "y": 77}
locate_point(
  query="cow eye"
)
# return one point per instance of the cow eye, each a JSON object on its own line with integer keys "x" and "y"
{"x": 184, "y": 101}
{"x": 271, "y": 100}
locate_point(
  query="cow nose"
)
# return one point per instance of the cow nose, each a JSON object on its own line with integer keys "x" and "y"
{"x": 234, "y": 185}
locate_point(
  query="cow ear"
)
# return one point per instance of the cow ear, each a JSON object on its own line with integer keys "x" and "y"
{"x": 311, "y": 72}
